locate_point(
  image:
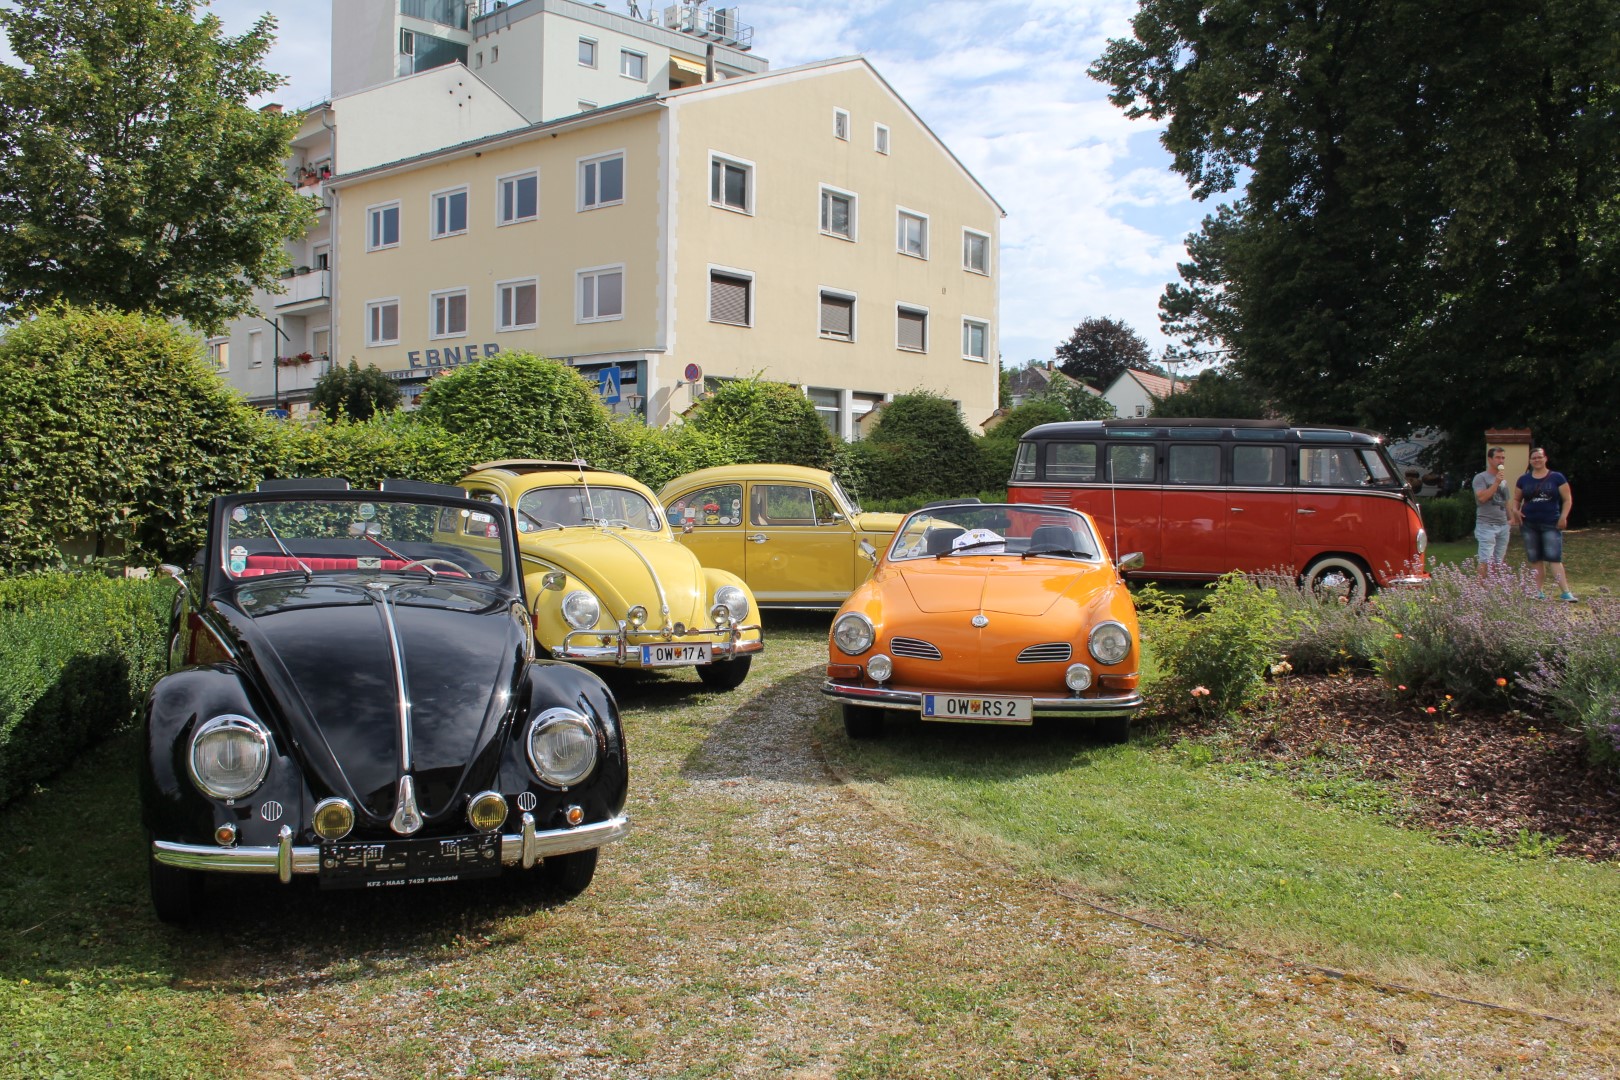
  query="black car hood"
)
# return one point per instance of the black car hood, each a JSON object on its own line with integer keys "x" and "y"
{"x": 322, "y": 654}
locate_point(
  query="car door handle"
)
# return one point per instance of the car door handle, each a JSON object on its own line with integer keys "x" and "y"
{"x": 757, "y": 538}
{"x": 1236, "y": 509}
{"x": 1304, "y": 510}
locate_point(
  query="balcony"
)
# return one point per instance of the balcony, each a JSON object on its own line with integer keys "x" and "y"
{"x": 304, "y": 290}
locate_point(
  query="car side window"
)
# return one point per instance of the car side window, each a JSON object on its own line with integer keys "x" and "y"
{"x": 1331, "y": 466}
{"x": 1070, "y": 461}
{"x": 1196, "y": 463}
{"x": 1131, "y": 463}
{"x": 782, "y": 504}
{"x": 1257, "y": 466}
{"x": 711, "y": 507}
{"x": 826, "y": 512}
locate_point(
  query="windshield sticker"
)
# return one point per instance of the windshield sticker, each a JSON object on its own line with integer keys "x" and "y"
{"x": 239, "y": 514}
{"x": 238, "y": 559}
{"x": 368, "y": 562}
{"x": 367, "y": 511}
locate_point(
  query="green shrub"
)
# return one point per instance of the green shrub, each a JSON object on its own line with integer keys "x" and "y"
{"x": 767, "y": 422}
{"x": 114, "y": 429}
{"x": 1213, "y": 663}
{"x": 655, "y": 456}
{"x": 388, "y": 445}
{"x": 77, "y": 655}
{"x": 518, "y": 405}
{"x": 1449, "y": 518}
{"x": 1323, "y": 634}
{"x": 920, "y": 444}
{"x": 355, "y": 393}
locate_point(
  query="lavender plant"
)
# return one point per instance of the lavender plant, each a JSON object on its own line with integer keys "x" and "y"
{"x": 1580, "y": 684}
{"x": 1324, "y": 633}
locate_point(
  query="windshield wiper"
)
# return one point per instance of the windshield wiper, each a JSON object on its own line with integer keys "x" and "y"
{"x": 1061, "y": 551}
{"x": 309, "y": 575}
{"x": 970, "y": 547}
{"x": 431, "y": 573}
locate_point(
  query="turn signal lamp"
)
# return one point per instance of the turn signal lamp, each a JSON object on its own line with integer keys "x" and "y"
{"x": 574, "y": 814}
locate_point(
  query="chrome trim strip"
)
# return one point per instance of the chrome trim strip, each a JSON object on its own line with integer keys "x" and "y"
{"x": 284, "y": 854}
{"x": 612, "y": 652}
{"x": 378, "y": 591}
{"x": 910, "y": 701}
{"x": 663, "y": 600}
{"x": 723, "y": 641}
{"x": 306, "y": 860}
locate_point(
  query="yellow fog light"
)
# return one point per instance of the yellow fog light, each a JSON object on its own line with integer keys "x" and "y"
{"x": 636, "y": 617}
{"x": 333, "y": 819}
{"x": 225, "y": 835}
{"x": 573, "y": 814}
{"x": 486, "y": 811}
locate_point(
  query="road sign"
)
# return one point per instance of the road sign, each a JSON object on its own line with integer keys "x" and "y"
{"x": 607, "y": 384}
{"x": 693, "y": 373}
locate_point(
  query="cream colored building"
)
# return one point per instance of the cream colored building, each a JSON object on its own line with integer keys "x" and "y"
{"x": 802, "y": 225}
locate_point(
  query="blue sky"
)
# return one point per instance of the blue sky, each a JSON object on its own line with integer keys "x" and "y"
{"x": 1096, "y": 221}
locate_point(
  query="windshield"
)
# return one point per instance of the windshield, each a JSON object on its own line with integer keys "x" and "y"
{"x": 969, "y": 529}
{"x": 363, "y": 533}
{"x": 573, "y": 504}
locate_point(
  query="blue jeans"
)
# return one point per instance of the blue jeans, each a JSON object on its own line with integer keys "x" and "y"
{"x": 1542, "y": 543}
{"x": 1493, "y": 542}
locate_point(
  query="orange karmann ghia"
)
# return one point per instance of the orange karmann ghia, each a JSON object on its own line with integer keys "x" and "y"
{"x": 989, "y": 614}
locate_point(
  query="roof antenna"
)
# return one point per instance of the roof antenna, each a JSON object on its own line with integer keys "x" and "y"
{"x": 579, "y": 463}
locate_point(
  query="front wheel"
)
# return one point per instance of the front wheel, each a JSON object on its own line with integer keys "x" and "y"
{"x": 726, "y": 675}
{"x": 861, "y": 722}
{"x": 566, "y": 876}
{"x": 1338, "y": 576}
{"x": 177, "y": 894}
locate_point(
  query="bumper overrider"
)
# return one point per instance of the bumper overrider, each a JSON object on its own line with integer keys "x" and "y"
{"x": 524, "y": 848}
{"x": 725, "y": 642}
{"x": 1120, "y": 704}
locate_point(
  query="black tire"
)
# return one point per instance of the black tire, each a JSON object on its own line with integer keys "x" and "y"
{"x": 1338, "y": 575}
{"x": 861, "y": 722}
{"x": 726, "y": 675}
{"x": 566, "y": 876}
{"x": 177, "y": 895}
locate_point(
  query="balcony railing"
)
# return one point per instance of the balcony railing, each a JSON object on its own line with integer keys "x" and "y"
{"x": 304, "y": 287}
{"x": 452, "y": 13}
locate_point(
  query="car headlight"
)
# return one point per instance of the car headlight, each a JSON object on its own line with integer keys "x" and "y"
{"x": 1422, "y": 541}
{"x": 1109, "y": 642}
{"x": 734, "y": 600}
{"x": 562, "y": 746}
{"x": 853, "y": 634}
{"x": 581, "y": 610}
{"x": 229, "y": 756}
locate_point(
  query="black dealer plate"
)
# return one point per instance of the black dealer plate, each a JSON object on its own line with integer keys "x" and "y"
{"x": 367, "y": 864}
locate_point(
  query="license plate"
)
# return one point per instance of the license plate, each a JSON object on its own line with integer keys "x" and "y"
{"x": 375, "y": 864}
{"x": 675, "y": 655}
{"x": 970, "y": 709}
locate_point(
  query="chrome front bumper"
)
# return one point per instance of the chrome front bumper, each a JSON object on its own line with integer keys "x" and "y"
{"x": 524, "y": 848}
{"x": 724, "y": 644}
{"x": 911, "y": 701}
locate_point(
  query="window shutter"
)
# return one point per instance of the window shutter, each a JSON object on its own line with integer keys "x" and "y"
{"x": 837, "y": 316}
{"x": 913, "y": 325}
{"x": 728, "y": 299}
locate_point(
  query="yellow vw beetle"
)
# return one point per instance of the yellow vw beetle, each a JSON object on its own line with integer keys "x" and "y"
{"x": 794, "y": 534}
{"x": 606, "y": 580}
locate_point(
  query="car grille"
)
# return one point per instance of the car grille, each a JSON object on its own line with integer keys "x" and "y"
{"x": 1053, "y": 652}
{"x": 917, "y": 650}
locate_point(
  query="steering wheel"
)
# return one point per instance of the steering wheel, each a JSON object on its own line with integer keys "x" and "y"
{"x": 427, "y": 564}
{"x": 610, "y": 522}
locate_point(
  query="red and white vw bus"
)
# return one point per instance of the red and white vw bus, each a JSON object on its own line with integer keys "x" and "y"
{"x": 1199, "y": 498}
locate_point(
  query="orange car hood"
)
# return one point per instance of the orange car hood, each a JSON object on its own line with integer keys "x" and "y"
{"x": 1010, "y": 586}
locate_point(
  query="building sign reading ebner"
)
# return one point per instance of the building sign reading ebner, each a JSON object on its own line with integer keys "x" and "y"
{"x": 427, "y": 362}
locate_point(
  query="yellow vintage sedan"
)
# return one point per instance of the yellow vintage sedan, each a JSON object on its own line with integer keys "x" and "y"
{"x": 989, "y": 613}
{"x": 794, "y": 534}
{"x": 608, "y": 583}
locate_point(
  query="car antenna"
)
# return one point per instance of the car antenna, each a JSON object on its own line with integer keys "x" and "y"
{"x": 579, "y": 463}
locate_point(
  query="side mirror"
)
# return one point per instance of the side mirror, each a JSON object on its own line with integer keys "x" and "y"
{"x": 1133, "y": 561}
{"x": 868, "y": 552}
{"x": 178, "y": 575}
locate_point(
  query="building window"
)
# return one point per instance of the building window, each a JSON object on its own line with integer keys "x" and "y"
{"x": 601, "y": 181}
{"x": 731, "y": 298}
{"x": 382, "y": 322}
{"x": 859, "y": 405}
{"x": 494, "y": 54}
{"x": 382, "y": 226}
{"x": 731, "y": 183}
{"x": 478, "y": 60}
{"x": 880, "y": 138}
{"x": 517, "y": 304}
{"x": 518, "y": 198}
{"x": 321, "y": 254}
{"x": 219, "y": 353}
{"x": 837, "y": 315}
{"x": 633, "y": 65}
{"x": 975, "y": 251}
{"x": 449, "y": 213}
{"x": 601, "y": 293}
{"x": 911, "y": 329}
{"x": 449, "y": 314}
{"x": 587, "y": 53}
{"x": 911, "y": 234}
{"x": 841, "y": 124}
{"x": 828, "y": 405}
{"x": 975, "y": 339}
{"x": 837, "y": 213}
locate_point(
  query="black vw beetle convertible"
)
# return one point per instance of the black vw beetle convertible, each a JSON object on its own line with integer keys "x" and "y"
{"x": 353, "y": 694}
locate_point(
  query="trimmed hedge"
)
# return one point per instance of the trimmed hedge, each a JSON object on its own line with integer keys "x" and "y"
{"x": 78, "y": 653}
{"x": 1449, "y": 518}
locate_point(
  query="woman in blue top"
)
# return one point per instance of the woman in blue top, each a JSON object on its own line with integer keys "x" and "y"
{"x": 1541, "y": 501}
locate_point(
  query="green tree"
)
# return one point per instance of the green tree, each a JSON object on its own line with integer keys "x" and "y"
{"x": 766, "y": 421}
{"x": 1099, "y": 350}
{"x": 355, "y": 393}
{"x": 518, "y": 405}
{"x": 1076, "y": 401}
{"x": 1427, "y": 230}
{"x": 133, "y": 173}
{"x": 921, "y": 446}
{"x": 1214, "y": 393}
{"x": 114, "y": 429}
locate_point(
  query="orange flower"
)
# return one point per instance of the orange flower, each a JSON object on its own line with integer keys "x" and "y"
{"x": 1429, "y": 710}
{"x": 1399, "y": 636}
{"x": 1400, "y": 688}
{"x": 1501, "y": 682}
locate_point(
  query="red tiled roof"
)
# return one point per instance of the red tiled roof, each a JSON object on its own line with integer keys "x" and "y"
{"x": 1157, "y": 385}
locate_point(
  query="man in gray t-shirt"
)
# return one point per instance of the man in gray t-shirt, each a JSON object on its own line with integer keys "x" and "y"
{"x": 1491, "y": 525}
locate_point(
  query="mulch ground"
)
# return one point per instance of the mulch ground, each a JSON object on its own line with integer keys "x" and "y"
{"x": 1500, "y": 772}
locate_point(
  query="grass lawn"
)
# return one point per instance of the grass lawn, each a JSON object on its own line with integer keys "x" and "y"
{"x": 1591, "y": 557}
